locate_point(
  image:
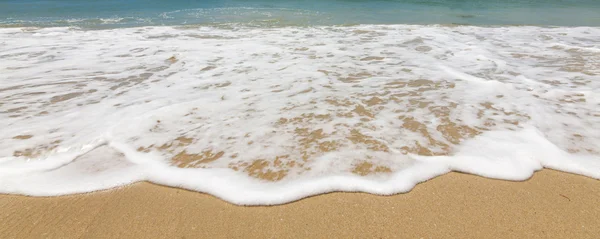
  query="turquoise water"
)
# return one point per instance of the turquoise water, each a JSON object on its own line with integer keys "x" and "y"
{"x": 127, "y": 13}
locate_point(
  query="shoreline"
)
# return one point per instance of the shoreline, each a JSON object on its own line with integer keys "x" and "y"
{"x": 550, "y": 204}
{"x": 251, "y": 26}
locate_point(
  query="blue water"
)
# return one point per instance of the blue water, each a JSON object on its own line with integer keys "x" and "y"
{"x": 126, "y": 13}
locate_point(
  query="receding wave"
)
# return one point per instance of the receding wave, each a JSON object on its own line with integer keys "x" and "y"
{"x": 271, "y": 115}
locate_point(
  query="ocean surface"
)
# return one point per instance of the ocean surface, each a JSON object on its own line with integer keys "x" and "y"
{"x": 130, "y": 13}
{"x": 267, "y": 102}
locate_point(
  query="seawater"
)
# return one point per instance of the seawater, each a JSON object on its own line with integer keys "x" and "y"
{"x": 267, "y": 102}
{"x": 129, "y": 13}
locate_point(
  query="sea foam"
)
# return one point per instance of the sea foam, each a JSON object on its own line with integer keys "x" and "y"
{"x": 271, "y": 115}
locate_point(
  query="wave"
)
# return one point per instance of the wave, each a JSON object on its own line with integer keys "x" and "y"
{"x": 261, "y": 116}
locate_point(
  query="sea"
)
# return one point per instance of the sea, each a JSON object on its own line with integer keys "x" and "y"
{"x": 263, "y": 102}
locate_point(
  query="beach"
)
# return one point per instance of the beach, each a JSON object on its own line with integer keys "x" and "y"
{"x": 299, "y": 119}
{"x": 551, "y": 204}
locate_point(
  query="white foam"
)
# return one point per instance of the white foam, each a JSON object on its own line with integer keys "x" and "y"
{"x": 105, "y": 108}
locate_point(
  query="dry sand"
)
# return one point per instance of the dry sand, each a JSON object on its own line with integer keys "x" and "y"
{"x": 550, "y": 204}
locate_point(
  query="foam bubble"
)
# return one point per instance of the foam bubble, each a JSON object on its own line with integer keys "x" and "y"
{"x": 271, "y": 115}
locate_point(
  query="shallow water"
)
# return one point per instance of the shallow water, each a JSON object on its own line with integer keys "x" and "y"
{"x": 129, "y": 13}
{"x": 369, "y": 108}
{"x": 266, "y": 112}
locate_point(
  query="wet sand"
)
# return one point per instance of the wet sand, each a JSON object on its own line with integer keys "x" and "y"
{"x": 550, "y": 205}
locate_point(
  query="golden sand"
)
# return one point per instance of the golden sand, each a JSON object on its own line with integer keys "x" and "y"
{"x": 549, "y": 205}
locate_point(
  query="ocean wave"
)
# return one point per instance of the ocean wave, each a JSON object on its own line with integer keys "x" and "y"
{"x": 271, "y": 115}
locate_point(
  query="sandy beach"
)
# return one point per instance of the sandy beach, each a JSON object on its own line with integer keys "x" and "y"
{"x": 550, "y": 205}
{"x": 300, "y": 119}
